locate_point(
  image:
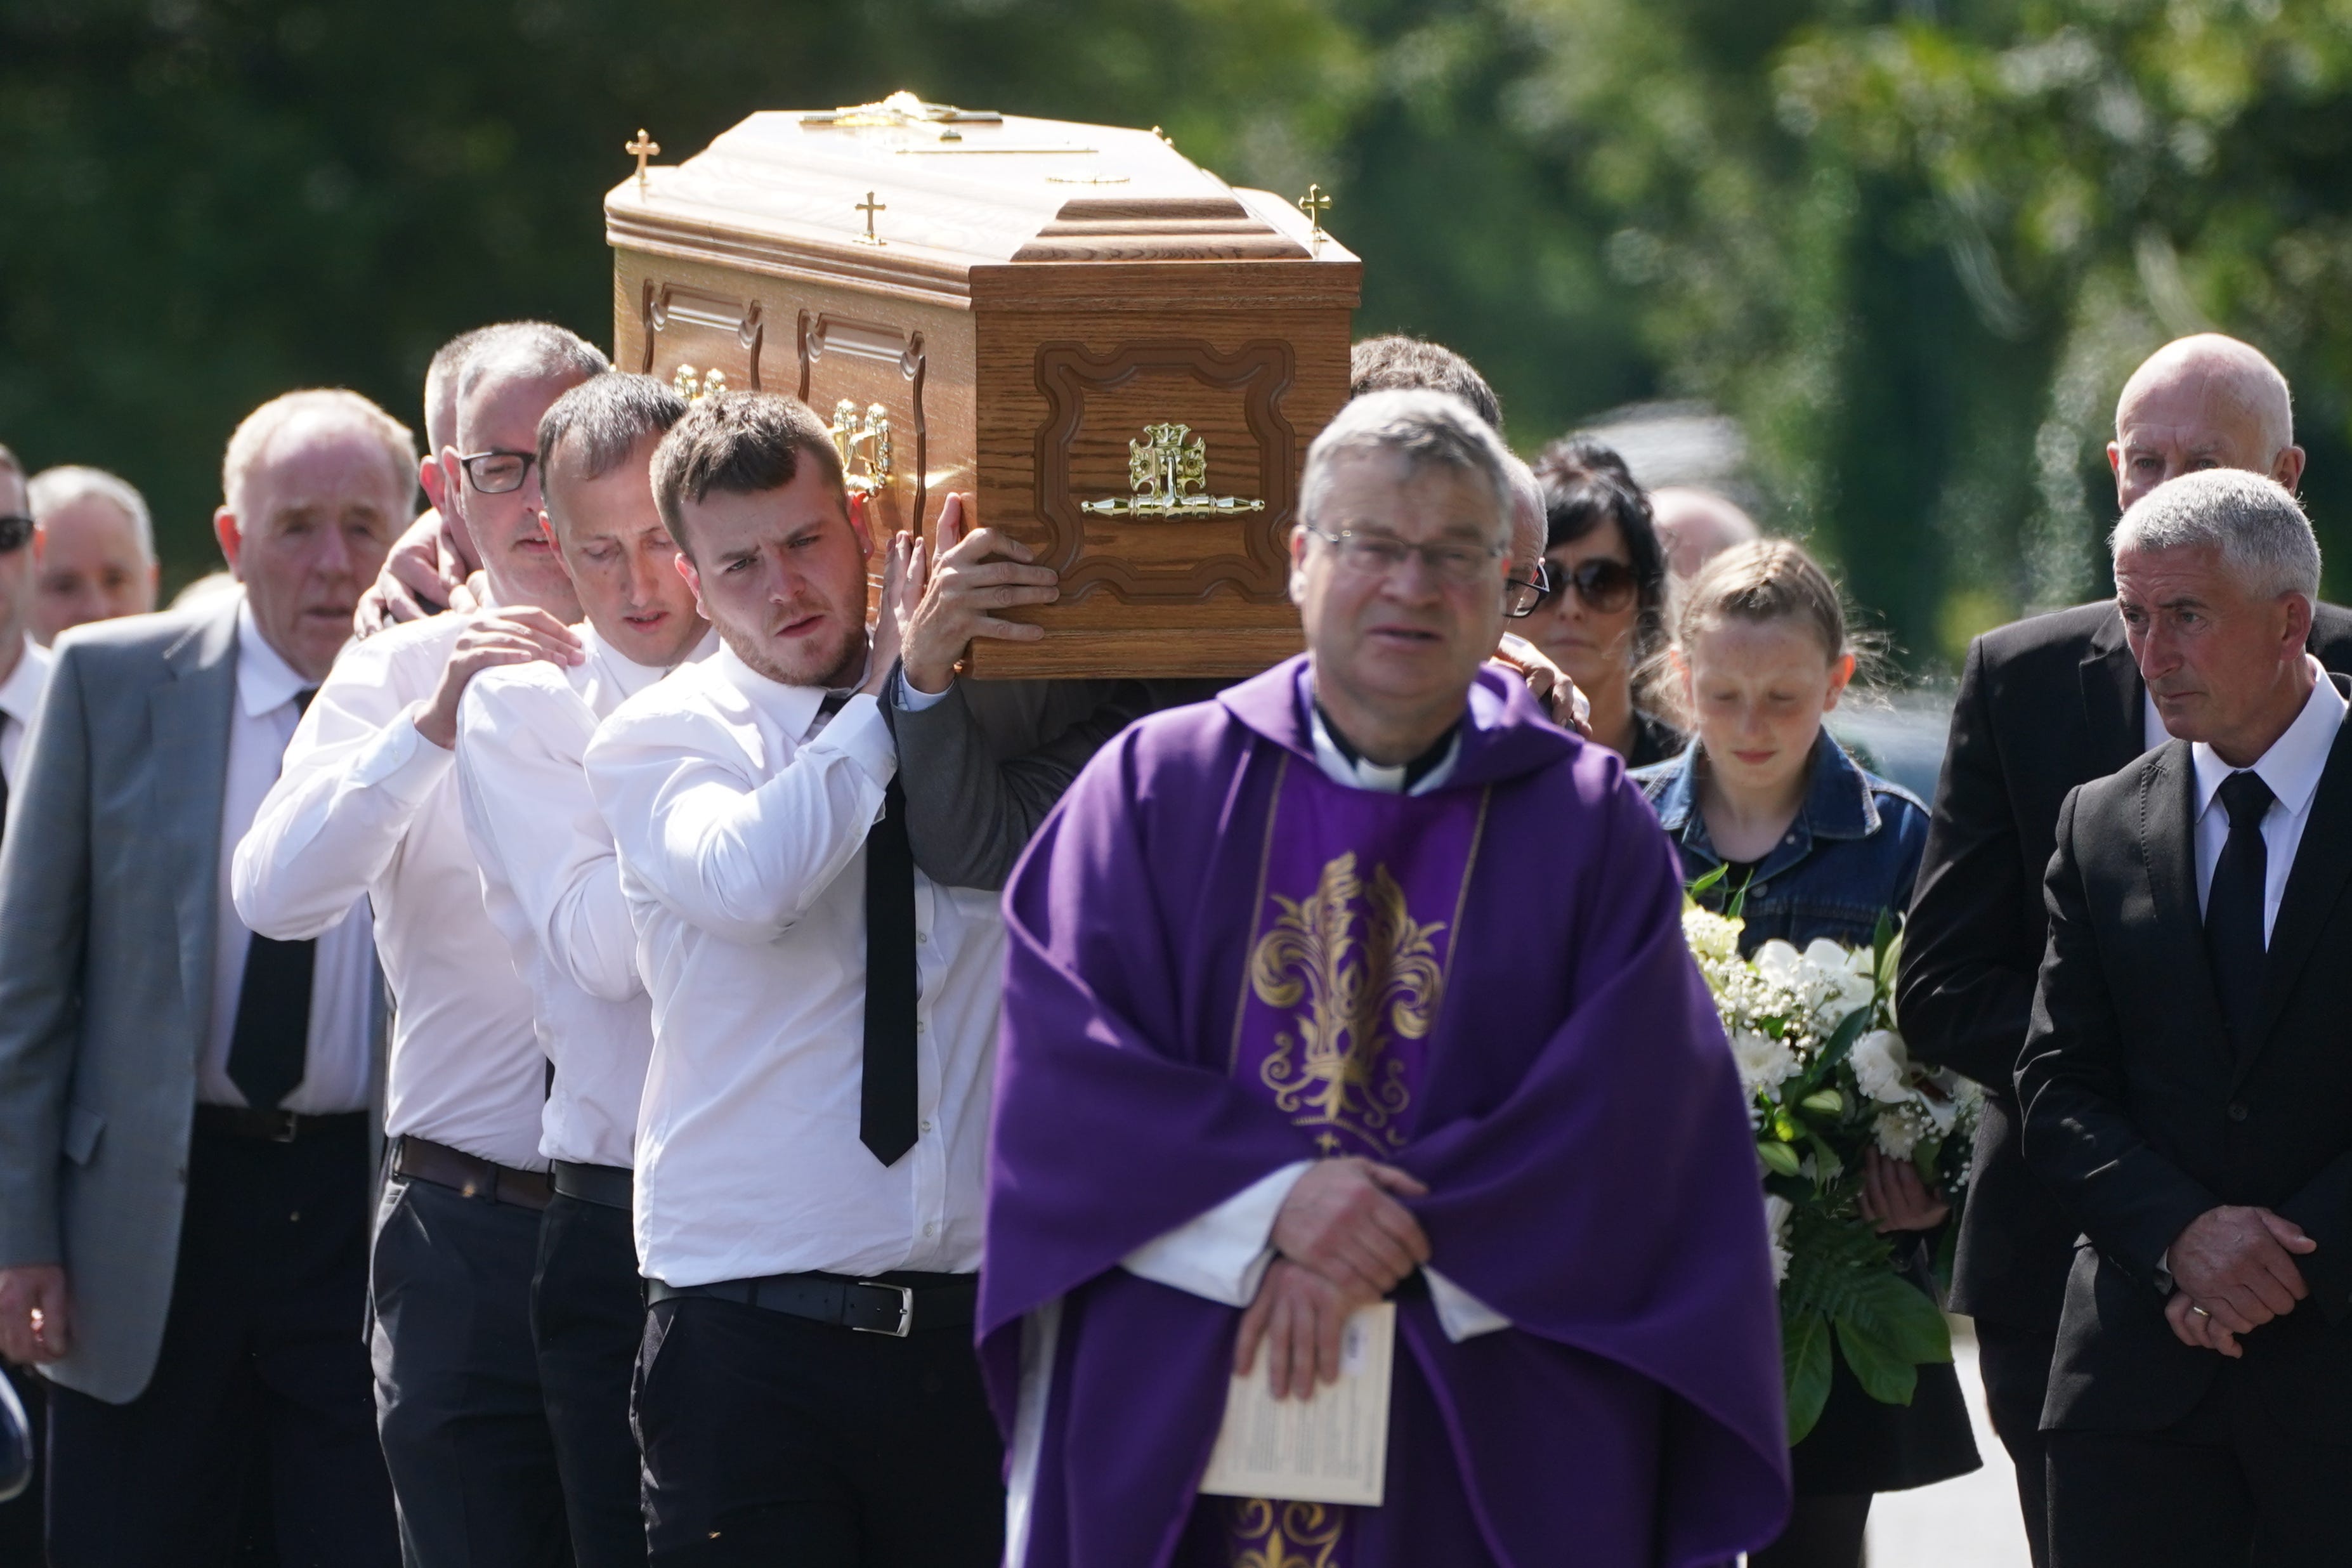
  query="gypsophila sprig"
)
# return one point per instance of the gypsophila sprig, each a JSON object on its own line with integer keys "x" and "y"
{"x": 1826, "y": 1075}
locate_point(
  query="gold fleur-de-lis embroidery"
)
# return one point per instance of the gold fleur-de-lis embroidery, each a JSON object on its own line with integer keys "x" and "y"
{"x": 1265, "y": 1534}
{"x": 1334, "y": 1069}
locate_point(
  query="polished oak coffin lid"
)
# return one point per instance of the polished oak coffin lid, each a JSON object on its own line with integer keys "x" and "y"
{"x": 916, "y": 199}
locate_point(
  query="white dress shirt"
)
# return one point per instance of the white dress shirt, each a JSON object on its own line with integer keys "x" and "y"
{"x": 551, "y": 884}
{"x": 367, "y": 804}
{"x": 2291, "y": 768}
{"x": 740, "y": 816}
{"x": 20, "y": 696}
{"x": 342, "y": 976}
{"x": 1222, "y": 1255}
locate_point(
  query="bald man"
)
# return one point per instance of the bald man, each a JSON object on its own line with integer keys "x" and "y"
{"x": 1695, "y": 526}
{"x": 2044, "y": 705}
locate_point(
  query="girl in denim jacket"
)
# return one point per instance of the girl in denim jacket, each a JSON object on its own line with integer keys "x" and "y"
{"x": 1810, "y": 845}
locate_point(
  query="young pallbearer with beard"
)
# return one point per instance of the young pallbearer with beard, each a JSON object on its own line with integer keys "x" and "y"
{"x": 809, "y": 1153}
{"x": 1806, "y": 845}
{"x": 367, "y": 805}
{"x": 553, "y": 887}
{"x": 1329, "y": 989}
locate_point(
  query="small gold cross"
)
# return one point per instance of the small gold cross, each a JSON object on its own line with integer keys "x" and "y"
{"x": 643, "y": 147}
{"x": 870, "y": 207}
{"x": 1315, "y": 203}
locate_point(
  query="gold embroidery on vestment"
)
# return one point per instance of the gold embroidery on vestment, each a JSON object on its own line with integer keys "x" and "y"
{"x": 1263, "y": 1534}
{"x": 1336, "y": 1069}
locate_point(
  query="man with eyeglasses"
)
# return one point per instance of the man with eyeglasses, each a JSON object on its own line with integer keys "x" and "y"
{"x": 1297, "y": 1021}
{"x": 368, "y": 804}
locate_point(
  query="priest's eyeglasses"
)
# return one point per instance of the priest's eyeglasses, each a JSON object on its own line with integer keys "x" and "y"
{"x": 1383, "y": 555}
{"x": 497, "y": 472}
{"x": 1521, "y": 595}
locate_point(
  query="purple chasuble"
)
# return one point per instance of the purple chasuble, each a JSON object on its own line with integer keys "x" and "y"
{"x": 1221, "y": 963}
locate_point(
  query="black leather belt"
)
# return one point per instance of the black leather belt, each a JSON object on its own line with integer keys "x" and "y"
{"x": 899, "y": 1303}
{"x": 421, "y": 1159}
{"x": 273, "y": 1126}
{"x": 612, "y": 1186}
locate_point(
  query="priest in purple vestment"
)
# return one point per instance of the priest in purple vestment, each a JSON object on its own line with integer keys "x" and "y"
{"x": 1365, "y": 980}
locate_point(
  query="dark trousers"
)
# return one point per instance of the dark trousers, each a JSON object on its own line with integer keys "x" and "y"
{"x": 1823, "y": 1531}
{"x": 456, "y": 1382}
{"x": 254, "y": 1437}
{"x": 587, "y": 1317}
{"x": 2015, "y": 1363}
{"x": 772, "y": 1439}
{"x": 20, "y": 1519}
{"x": 2226, "y": 1485}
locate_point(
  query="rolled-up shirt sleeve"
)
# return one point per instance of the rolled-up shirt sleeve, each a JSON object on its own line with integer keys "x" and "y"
{"x": 699, "y": 834}
{"x": 354, "y": 777}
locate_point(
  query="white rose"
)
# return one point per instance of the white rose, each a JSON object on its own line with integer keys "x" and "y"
{"x": 1882, "y": 1067}
{"x": 1780, "y": 964}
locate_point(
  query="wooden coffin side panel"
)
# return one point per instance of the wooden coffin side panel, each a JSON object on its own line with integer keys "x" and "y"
{"x": 826, "y": 344}
{"x": 1066, "y": 392}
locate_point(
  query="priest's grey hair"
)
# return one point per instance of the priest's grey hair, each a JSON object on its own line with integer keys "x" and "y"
{"x": 2255, "y": 524}
{"x": 325, "y": 405}
{"x": 528, "y": 351}
{"x": 600, "y": 422}
{"x": 53, "y": 489}
{"x": 1423, "y": 428}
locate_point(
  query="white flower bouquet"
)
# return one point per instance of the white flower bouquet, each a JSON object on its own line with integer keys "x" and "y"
{"x": 1828, "y": 1076}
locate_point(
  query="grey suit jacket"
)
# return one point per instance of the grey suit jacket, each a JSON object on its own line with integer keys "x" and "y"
{"x": 109, "y": 882}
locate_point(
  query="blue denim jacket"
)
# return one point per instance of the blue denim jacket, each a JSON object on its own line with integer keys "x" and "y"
{"x": 1851, "y": 854}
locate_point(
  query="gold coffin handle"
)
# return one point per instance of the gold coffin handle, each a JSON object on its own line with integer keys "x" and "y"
{"x": 864, "y": 442}
{"x": 1166, "y": 473}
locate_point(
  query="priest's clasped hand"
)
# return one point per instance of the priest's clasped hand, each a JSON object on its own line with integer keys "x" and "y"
{"x": 1345, "y": 1241}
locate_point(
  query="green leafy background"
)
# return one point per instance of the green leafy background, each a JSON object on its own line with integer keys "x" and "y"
{"x": 1911, "y": 244}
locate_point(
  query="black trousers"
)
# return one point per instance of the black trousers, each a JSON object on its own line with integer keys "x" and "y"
{"x": 255, "y": 1437}
{"x": 2015, "y": 1363}
{"x": 456, "y": 1382}
{"x": 20, "y": 1521}
{"x": 2226, "y": 1485}
{"x": 771, "y": 1439}
{"x": 587, "y": 1317}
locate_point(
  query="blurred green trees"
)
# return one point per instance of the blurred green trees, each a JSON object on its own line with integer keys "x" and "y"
{"x": 1913, "y": 246}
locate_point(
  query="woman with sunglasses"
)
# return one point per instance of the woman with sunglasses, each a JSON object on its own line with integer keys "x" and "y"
{"x": 1606, "y": 614}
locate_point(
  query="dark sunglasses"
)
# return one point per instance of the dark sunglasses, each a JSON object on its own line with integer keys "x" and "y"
{"x": 16, "y": 528}
{"x": 1606, "y": 587}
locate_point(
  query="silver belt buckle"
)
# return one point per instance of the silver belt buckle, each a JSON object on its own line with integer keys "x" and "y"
{"x": 906, "y": 1310}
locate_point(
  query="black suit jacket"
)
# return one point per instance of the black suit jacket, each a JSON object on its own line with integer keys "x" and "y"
{"x": 2140, "y": 1115}
{"x": 2044, "y": 705}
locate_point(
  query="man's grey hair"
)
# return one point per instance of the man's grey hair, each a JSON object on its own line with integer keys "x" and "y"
{"x": 441, "y": 386}
{"x": 53, "y": 489}
{"x": 1422, "y": 428}
{"x": 601, "y": 421}
{"x": 528, "y": 351}
{"x": 335, "y": 404}
{"x": 2255, "y": 524}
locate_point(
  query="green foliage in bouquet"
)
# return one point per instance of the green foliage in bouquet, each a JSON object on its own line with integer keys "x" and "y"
{"x": 1828, "y": 1076}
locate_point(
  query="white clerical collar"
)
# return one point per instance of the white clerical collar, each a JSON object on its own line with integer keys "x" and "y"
{"x": 1358, "y": 771}
{"x": 2295, "y": 760}
{"x": 21, "y": 692}
{"x": 265, "y": 681}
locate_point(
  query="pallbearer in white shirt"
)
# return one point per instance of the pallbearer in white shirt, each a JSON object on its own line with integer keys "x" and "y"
{"x": 368, "y": 803}
{"x": 810, "y": 1151}
{"x": 553, "y": 887}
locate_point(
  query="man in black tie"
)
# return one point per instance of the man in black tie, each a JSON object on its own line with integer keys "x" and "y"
{"x": 2046, "y": 704}
{"x": 187, "y": 1151}
{"x": 2187, "y": 1092}
{"x": 811, "y": 1144}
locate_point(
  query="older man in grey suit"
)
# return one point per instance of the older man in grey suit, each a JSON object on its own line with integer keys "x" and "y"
{"x": 185, "y": 1136}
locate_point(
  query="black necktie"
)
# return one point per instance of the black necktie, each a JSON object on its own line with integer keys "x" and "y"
{"x": 886, "y": 1102}
{"x": 2234, "y": 906}
{"x": 267, "y": 1050}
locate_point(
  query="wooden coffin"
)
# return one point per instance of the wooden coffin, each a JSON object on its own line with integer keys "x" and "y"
{"x": 1121, "y": 357}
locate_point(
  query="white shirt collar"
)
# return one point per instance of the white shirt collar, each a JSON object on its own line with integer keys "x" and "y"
{"x": 793, "y": 708}
{"x": 627, "y": 674}
{"x": 2295, "y": 760}
{"x": 21, "y": 692}
{"x": 265, "y": 681}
